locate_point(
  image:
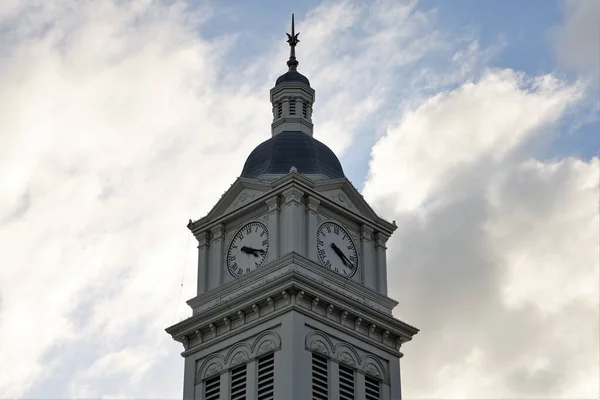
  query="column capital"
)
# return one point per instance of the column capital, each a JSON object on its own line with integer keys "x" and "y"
{"x": 366, "y": 232}
{"x": 203, "y": 239}
{"x": 292, "y": 195}
{"x": 218, "y": 232}
{"x": 273, "y": 203}
{"x": 312, "y": 203}
{"x": 381, "y": 239}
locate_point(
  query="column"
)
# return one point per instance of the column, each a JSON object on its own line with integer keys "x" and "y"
{"x": 291, "y": 222}
{"x": 394, "y": 390}
{"x": 225, "y": 389}
{"x": 311, "y": 231}
{"x": 368, "y": 266}
{"x": 334, "y": 380}
{"x": 189, "y": 380}
{"x": 286, "y": 107}
{"x": 251, "y": 380}
{"x": 216, "y": 269}
{"x": 203, "y": 244}
{"x": 274, "y": 235}
{"x": 380, "y": 241}
{"x": 359, "y": 387}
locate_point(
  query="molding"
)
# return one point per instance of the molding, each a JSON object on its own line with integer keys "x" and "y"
{"x": 238, "y": 354}
{"x": 318, "y": 341}
{"x": 328, "y": 280}
{"x": 210, "y": 327}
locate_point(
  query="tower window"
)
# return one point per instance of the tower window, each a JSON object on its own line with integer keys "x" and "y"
{"x": 212, "y": 388}
{"x": 266, "y": 377}
{"x": 304, "y": 110}
{"x": 319, "y": 377}
{"x": 371, "y": 388}
{"x": 346, "y": 383}
{"x": 279, "y": 110}
{"x": 238, "y": 383}
{"x": 292, "y": 107}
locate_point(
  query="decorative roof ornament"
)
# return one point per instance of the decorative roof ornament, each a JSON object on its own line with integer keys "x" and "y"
{"x": 293, "y": 41}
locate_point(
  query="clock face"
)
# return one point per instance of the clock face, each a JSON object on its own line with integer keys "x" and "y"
{"x": 248, "y": 249}
{"x": 336, "y": 249}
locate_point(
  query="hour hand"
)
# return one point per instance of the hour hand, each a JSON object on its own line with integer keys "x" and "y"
{"x": 250, "y": 250}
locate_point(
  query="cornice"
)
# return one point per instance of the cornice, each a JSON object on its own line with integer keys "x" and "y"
{"x": 199, "y": 331}
{"x": 329, "y": 279}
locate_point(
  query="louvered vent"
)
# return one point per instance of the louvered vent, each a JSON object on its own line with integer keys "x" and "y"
{"x": 279, "y": 110}
{"x": 371, "y": 388}
{"x": 293, "y": 107}
{"x": 266, "y": 377}
{"x": 319, "y": 377}
{"x": 238, "y": 383}
{"x": 212, "y": 388}
{"x": 346, "y": 383}
{"x": 304, "y": 110}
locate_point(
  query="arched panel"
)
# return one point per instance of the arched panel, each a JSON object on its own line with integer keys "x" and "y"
{"x": 213, "y": 365}
{"x": 347, "y": 354}
{"x": 238, "y": 354}
{"x": 373, "y": 366}
{"x": 265, "y": 342}
{"x": 320, "y": 342}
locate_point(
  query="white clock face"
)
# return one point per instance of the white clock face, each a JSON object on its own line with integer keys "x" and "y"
{"x": 336, "y": 249}
{"x": 248, "y": 249}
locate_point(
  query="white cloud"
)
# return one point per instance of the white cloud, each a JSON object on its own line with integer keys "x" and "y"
{"x": 478, "y": 121}
{"x": 577, "y": 39}
{"x": 118, "y": 122}
{"x": 496, "y": 252}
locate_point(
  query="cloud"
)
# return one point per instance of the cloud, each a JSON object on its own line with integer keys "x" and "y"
{"x": 120, "y": 121}
{"x": 496, "y": 252}
{"x": 577, "y": 39}
{"x": 483, "y": 121}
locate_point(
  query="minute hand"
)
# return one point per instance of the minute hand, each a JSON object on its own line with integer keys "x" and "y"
{"x": 341, "y": 254}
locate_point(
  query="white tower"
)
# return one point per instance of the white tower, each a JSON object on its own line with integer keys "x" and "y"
{"x": 292, "y": 276}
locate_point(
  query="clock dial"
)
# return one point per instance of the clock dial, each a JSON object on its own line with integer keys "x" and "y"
{"x": 248, "y": 249}
{"x": 336, "y": 249}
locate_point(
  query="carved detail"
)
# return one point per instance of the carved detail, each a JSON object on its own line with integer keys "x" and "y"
{"x": 320, "y": 347}
{"x": 212, "y": 370}
{"x": 346, "y": 359}
{"x": 239, "y": 358}
{"x": 371, "y": 370}
{"x": 265, "y": 347}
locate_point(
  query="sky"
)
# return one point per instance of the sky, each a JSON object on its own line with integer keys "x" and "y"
{"x": 473, "y": 124}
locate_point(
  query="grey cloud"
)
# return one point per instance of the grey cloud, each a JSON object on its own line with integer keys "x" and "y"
{"x": 449, "y": 275}
{"x": 577, "y": 40}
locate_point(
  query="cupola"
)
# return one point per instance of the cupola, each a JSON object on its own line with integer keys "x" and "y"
{"x": 292, "y": 97}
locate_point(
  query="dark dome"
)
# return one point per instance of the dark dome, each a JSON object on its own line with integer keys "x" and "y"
{"x": 292, "y": 76}
{"x": 292, "y": 149}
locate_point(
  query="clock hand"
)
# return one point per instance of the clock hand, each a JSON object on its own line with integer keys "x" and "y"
{"x": 250, "y": 250}
{"x": 341, "y": 255}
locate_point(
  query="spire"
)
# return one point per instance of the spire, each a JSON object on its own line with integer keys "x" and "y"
{"x": 293, "y": 41}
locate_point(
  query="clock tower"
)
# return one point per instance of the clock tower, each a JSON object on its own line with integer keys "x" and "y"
{"x": 291, "y": 297}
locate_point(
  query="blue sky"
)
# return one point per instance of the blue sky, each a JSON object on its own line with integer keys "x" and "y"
{"x": 473, "y": 124}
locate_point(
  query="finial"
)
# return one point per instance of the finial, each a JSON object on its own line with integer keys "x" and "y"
{"x": 293, "y": 41}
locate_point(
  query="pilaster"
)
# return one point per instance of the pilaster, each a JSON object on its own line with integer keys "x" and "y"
{"x": 359, "y": 387}
{"x": 216, "y": 269}
{"x": 380, "y": 249}
{"x": 334, "y": 380}
{"x": 251, "y": 380}
{"x": 368, "y": 272}
{"x": 312, "y": 205}
{"x": 203, "y": 245}
{"x": 293, "y": 239}
{"x": 274, "y": 234}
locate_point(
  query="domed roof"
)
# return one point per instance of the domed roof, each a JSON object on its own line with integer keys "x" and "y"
{"x": 292, "y": 149}
{"x": 292, "y": 76}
